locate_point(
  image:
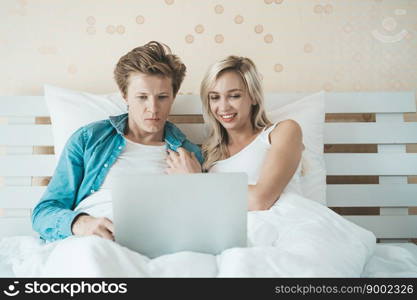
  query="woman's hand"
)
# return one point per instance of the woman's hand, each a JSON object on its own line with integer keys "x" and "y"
{"x": 89, "y": 225}
{"x": 182, "y": 162}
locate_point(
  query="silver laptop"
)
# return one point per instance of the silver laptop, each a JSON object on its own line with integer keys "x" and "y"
{"x": 161, "y": 214}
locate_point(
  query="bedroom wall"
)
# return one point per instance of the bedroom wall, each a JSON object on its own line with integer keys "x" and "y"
{"x": 298, "y": 45}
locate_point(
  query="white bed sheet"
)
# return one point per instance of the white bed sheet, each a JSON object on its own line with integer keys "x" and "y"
{"x": 295, "y": 238}
{"x": 389, "y": 260}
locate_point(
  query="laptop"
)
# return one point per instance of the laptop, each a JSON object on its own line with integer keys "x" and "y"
{"x": 159, "y": 214}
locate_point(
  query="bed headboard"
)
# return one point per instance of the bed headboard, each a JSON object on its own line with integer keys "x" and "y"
{"x": 381, "y": 175}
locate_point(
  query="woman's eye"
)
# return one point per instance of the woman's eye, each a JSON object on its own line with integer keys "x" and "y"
{"x": 213, "y": 98}
{"x": 235, "y": 96}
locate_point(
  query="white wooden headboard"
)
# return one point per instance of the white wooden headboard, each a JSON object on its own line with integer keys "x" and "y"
{"x": 21, "y": 134}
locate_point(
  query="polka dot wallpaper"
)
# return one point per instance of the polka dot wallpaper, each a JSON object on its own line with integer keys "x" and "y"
{"x": 298, "y": 45}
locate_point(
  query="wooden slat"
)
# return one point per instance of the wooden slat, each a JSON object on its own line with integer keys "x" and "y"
{"x": 20, "y": 106}
{"x": 343, "y": 102}
{"x": 16, "y": 226}
{"x": 389, "y": 227}
{"x": 20, "y": 197}
{"x": 370, "y": 133}
{"x": 370, "y": 102}
{"x": 335, "y": 133}
{"x": 26, "y": 135}
{"x": 27, "y": 165}
{"x": 371, "y": 195}
{"x": 370, "y": 164}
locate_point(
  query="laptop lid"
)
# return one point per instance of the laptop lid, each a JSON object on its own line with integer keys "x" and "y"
{"x": 161, "y": 214}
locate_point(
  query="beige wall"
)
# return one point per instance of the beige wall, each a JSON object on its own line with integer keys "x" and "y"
{"x": 298, "y": 45}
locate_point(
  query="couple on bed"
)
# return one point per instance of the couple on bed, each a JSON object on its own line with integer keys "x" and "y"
{"x": 241, "y": 139}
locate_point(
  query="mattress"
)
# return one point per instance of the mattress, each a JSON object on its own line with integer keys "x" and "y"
{"x": 389, "y": 260}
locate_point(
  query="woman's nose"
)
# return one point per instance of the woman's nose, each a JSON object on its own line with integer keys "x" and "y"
{"x": 224, "y": 104}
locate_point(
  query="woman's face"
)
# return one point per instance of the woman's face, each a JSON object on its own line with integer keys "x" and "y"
{"x": 229, "y": 101}
{"x": 150, "y": 98}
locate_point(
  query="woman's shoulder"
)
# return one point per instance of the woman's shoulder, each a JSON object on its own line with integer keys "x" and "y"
{"x": 286, "y": 129}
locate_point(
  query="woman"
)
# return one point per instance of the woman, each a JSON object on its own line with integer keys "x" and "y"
{"x": 242, "y": 139}
{"x": 149, "y": 78}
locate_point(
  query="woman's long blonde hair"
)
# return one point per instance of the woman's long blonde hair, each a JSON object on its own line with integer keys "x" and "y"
{"x": 215, "y": 147}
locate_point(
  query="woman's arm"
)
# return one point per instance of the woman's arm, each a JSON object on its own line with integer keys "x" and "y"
{"x": 280, "y": 165}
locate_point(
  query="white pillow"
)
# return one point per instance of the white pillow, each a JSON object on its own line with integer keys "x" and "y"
{"x": 69, "y": 110}
{"x": 309, "y": 112}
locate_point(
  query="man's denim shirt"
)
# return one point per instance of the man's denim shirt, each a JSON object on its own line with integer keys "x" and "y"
{"x": 84, "y": 163}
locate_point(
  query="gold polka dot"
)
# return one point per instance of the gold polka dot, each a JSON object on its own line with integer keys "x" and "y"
{"x": 409, "y": 36}
{"x": 396, "y": 84}
{"x": 278, "y": 68}
{"x": 238, "y": 19}
{"x": 308, "y": 48}
{"x": 357, "y": 57}
{"x": 199, "y": 28}
{"x": 189, "y": 38}
{"x": 72, "y": 69}
{"x": 328, "y": 9}
{"x": 279, "y": 1}
{"x": 318, "y": 9}
{"x": 268, "y": 38}
{"x": 91, "y": 20}
{"x": 327, "y": 86}
{"x": 219, "y": 38}
{"x": 338, "y": 77}
{"x": 219, "y": 9}
{"x": 110, "y": 29}
{"x": 348, "y": 28}
{"x": 268, "y": 1}
{"x": 169, "y": 2}
{"x": 91, "y": 30}
{"x": 140, "y": 19}
{"x": 259, "y": 28}
{"x": 120, "y": 29}
{"x": 47, "y": 50}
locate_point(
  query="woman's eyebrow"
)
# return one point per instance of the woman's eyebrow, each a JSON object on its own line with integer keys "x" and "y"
{"x": 229, "y": 91}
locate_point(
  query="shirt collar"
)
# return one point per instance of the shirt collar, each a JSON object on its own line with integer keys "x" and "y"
{"x": 172, "y": 134}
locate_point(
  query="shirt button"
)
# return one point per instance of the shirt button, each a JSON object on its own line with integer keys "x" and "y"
{"x": 106, "y": 165}
{"x": 92, "y": 191}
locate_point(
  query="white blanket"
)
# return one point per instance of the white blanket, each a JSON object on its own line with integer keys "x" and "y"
{"x": 295, "y": 238}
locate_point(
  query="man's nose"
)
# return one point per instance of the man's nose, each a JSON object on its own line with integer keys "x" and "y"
{"x": 152, "y": 105}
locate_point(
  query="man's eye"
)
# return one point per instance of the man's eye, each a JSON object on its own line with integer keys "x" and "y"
{"x": 163, "y": 97}
{"x": 143, "y": 97}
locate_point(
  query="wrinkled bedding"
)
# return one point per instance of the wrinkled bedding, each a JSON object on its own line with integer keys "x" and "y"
{"x": 297, "y": 237}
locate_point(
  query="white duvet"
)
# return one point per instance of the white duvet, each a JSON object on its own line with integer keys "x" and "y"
{"x": 295, "y": 238}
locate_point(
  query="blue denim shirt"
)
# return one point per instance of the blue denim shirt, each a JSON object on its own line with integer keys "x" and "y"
{"x": 84, "y": 163}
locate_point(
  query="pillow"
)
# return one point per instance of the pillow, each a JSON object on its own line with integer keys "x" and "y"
{"x": 310, "y": 114}
{"x": 69, "y": 110}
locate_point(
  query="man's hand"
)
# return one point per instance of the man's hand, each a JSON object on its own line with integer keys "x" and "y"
{"x": 88, "y": 225}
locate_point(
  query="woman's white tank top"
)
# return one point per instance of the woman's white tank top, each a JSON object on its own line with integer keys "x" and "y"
{"x": 250, "y": 160}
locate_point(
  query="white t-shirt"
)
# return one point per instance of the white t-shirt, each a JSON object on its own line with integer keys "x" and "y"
{"x": 135, "y": 159}
{"x": 250, "y": 160}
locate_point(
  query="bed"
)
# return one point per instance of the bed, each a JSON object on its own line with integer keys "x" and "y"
{"x": 27, "y": 160}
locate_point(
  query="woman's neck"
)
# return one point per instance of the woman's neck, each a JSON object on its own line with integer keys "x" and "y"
{"x": 242, "y": 136}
